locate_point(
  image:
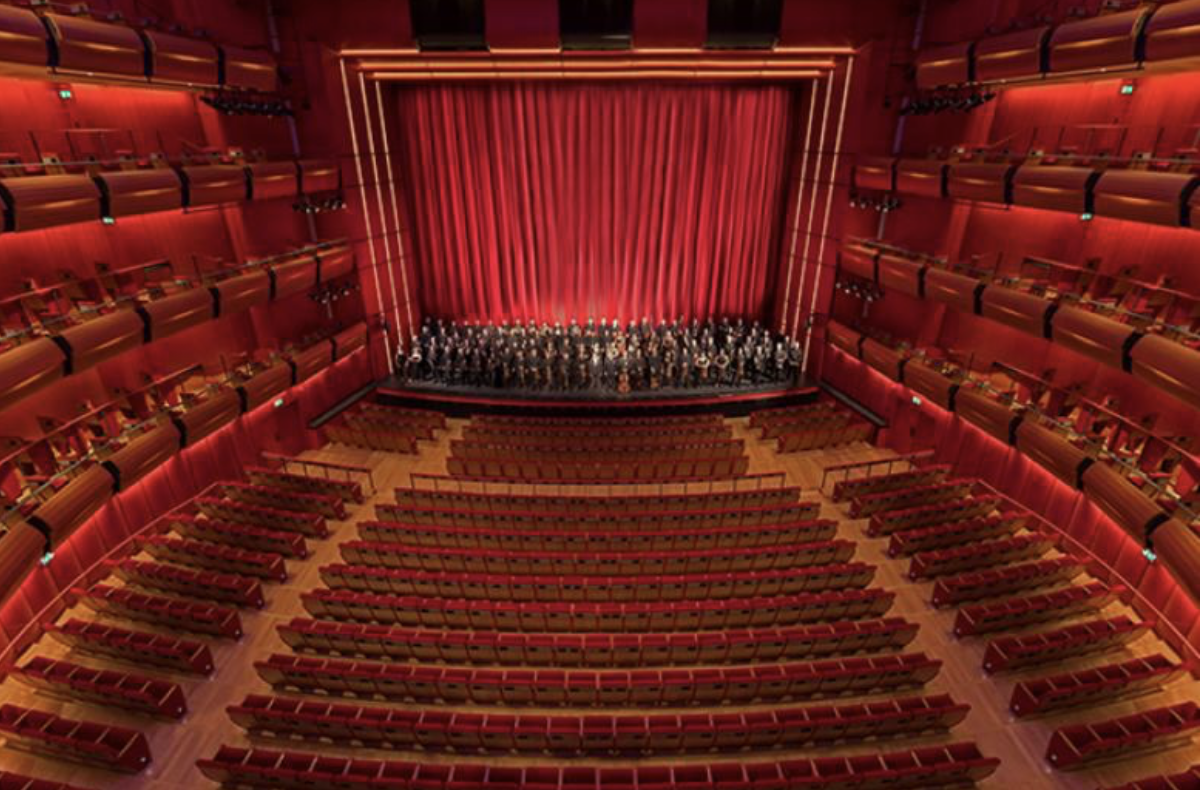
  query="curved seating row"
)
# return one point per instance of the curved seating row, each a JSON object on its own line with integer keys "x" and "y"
{"x": 696, "y": 467}
{"x": 1005, "y": 581}
{"x": 1157, "y": 359}
{"x": 956, "y": 764}
{"x": 243, "y": 536}
{"x": 172, "y": 613}
{"x": 470, "y": 451}
{"x": 590, "y": 423}
{"x": 596, "y": 650}
{"x": 760, "y": 417}
{"x": 983, "y": 554}
{"x": 626, "y": 540}
{"x": 103, "y": 745}
{"x": 1185, "y": 780}
{"x": 277, "y": 498}
{"x": 614, "y": 439}
{"x": 906, "y": 542}
{"x": 817, "y": 438}
{"x": 14, "y": 781}
{"x": 1096, "y": 684}
{"x": 599, "y": 688}
{"x": 134, "y": 647}
{"x": 598, "y": 589}
{"x": 565, "y": 563}
{"x": 371, "y": 438}
{"x": 126, "y": 690}
{"x": 593, "y": 521}
{"x": 1175, "y": 543}
{"x": 909, "y": 497}
{"x": 310, "y": 524}
{"x": 775, "y": 427}
{"x": 227, "y": 588}
{"x": 346, "y": 490}
{"x": 1008, "y": 653}
{"x": 435, "y": 730}
{"x": 1076, "y": 745}
{"x": 1015, "y": 612}
{"x": 877, "y": 484}
{"x": 444, "y": 495}
{"x": 533, "y": 617}
{"x": 887, "y": 522}
{"x": 213, "y": 556}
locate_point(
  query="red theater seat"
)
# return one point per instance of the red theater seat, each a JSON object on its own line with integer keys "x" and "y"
{"x": 166, "y": 612}
{"x": 210, "y": 556}
{"x": 224, "y": 587}
{"x": 347, "y": 491}
{"x": 137, "y": 693}
{"x": 134, "y": 647}
{"x": 1094, "y": 686}
{"x": 1096, "y": 636}
{"x": 107, "y": 746}
{"x": 309, "y": 524}
{"x": 1016, "y": 612}
{"x": 257, "y": 539}
{"x": 1075, "y": 745}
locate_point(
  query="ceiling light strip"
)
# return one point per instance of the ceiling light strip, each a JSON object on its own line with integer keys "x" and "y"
{"x": 795, "y": 224}
{"x": 817, "y": 152}
{"x": 379, "y": 207}
{"x": 837, "y": 153}
{"x": 362, "y": 190}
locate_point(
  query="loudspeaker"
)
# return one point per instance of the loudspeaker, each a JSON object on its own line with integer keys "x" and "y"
{"x": 596, "y": 24}
{"x": 743, "y": 24}
{"x": 448, "y": 24}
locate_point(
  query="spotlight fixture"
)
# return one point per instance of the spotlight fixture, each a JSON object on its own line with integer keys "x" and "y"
{"x": 882, "y": 204}
{"x": 859, "y": 289}
{"x": 955, "y": 101}
{"x": 334, "y": 292}
{"x": 309, "y": 205}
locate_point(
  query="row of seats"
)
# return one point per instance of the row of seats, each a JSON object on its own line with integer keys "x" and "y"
{"x": 134, "y": 647}
{"x": 346, "y": 490}
{"x": 819, "y": 438}
{"x": 1094, "y": 685}
{"x": 279, "y": 498}
{"x": 242, "y": 536}
{"x": 926, "y": 515}
{"x": 12, "y": 781}
{"x": 1075, "y": 745}
{"x": 761, "y": 417}
{"x": 906, "y": 542}
{"x": 126, "y": 690}
{"x": 1005, "y": 581}
{"x": 630, "y": 541}
{"x": 984, "y": 554}
{"x": 223, "y": 587}
{"x": 597, "y": 650}
{"x": 445, "y": 495}
{"x": 1185, "y": 780}
{"x": 772, "y": 427}
{"x": 691, "y": 561}
{"x": 595, "y": 423}
{"x": 611, "y": 455}
{"x": 103, "y": 745}
{"x": 172, "y": 613}
{"x": 400, "y": 414}
{"x": 1010, "y": 653}
{"x": 213, "y": 556}
{"x": 373, "y": 438}
{"x": 597, "y": 521}
{"x": 371, "y": 420}
{"x": 844, "y": 490}
{"x": 909, "y": 497}
{"x": 434, "y": 730}
{"x": 609, "y": 439}
{"x": 534, "y": 617}
{"x": 310, "y": 524}
{"x": 591, "y": 688}
{"x": 615, "y": 589}
{"x": 952, "y": 765}
{"x": 698, "y": 467}
{"x": 1016, "y": 612}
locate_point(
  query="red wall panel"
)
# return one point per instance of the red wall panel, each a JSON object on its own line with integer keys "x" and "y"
{"x": 37, "y": 202}
{"x": 1168, "y": 365}
{"x": 1105, "y": 41}
{"x": 178, "y": 312}
{"x": 186, "y": 61}
{"x": 925, "y": 177}
{"x": 201, "y": 421}
{"x": 1054, "y": 187}
{"x": 1144, "y": 196}
{"x": 250, "y": 69}
{"x": 1018, "y": 309}
{"x": 1091, "y": 334}
{"x": 1051, "y": 450}
{"x": 982, "y": 411}
{"x": 518, "y": 24}
{"x": 28, "y": 368}
{"x": 75, "y": 502}
{"x": 144, "y": 454}
{"x": 946, "y": 65}
{"x": 901, "y": 274}
{"x": 875, "y": 173}
{"x": 956, "y": 290}
{"x": 104, "y": 338}
{"x": 22, "y": 39}
{"x": 209, "y": 185}
{"x": 88, "y": 46}
{"x": 670, "y": 23}
{"x": 133, "y": 192}
{"x": 274, "y": 180}
{"x": 1117, "y": 497}
{"x": 984, "y": 181}
{"x": 1010, "y": 56}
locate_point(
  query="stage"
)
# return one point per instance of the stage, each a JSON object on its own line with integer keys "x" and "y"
{"x": 461, "y": 401}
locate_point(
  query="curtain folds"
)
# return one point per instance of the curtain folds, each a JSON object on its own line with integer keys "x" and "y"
{"x": 554, "y": 202}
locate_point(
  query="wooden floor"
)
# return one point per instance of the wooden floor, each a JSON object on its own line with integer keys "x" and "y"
{"x": 1019, "y": 745}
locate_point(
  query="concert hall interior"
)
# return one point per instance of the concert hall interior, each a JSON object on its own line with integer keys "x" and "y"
{"x": 599, "y": 394}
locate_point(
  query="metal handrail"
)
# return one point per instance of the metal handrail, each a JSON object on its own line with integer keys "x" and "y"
{"x": 327, "y": 469}
{"x": 889, "y": 463}
{"x": 754, "y": 482}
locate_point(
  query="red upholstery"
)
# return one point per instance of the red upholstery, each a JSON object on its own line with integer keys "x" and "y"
{"x": 1014, "y": 612}
{"x": 225, "y": 587}
{"x": 210, "y": 556}
{"x": 1095, "y": 686}
{"x": 256, "y": 539}
{"x": 875, "y": 484}
{"x": 941, "y": 562}
{"x": 135, "y": 647}
{"x": 346, "y": 490}
{"x": 311, "y": 524}
{"x": 911, "y": 541}
{"x": 104, "y": 745}
{"x": 166, "y": 612}
{"x": 1096, "y": 636}
{"x": 1075, "y": 745}
{"x": 1005, "y": 581}
{"x": 326, "y": 505}
{"x": 126, "y": 690}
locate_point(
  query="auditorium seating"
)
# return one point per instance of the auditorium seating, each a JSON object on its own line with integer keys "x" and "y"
{"x": 594, "y": 688}
{"x": 347, "y": 491}
{"x": 1092, "y": 686}
{"x": 564, "y": 617}
{"x": 908, "y": 497}
{"x": 906, "y": 542}
{"x": 326, "y": 505}
{"x": 115, "y": 748}
{"x": 887, "y": 522}
{"x": 854, "y": 488}
{"x": 13, "y": 781}
{"x": 224, "y": 587}
{"x": 309, "y": 524}
{"x": 596, "y": 650}
{"x": 170, "y": 613}
{"x": 434, "y": 730}
{"x": 126, "y": 690}
{"x": 700, "y": 466}
{"x": 1076, "y": 745}
{"x": 377, "y": 427}
{"x": 1021, "y": 611}
{"x": 1005, "y": 581}
{"x": 984, "y": 554}
{"x": 952, "y": 764}
{"x": 212, "y": 556}
{"x": 244, "y": 536}
{"x": 1184, "y": 780}
{"x": 1010, "y": 653}
{"x": 134, "y": 647}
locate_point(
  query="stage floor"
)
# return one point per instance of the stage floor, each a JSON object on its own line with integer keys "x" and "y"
{"x": 462, "y": 400}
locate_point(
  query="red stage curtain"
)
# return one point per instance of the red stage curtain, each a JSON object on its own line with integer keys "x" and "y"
{"x": 551, "y": 201}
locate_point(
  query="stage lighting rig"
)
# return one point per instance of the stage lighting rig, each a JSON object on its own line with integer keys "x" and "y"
{"x": 945, "y": 101}
{"x": 238, "y": 104}
{"x": 319, "y": 205}
{"x": 882, "y": 204}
